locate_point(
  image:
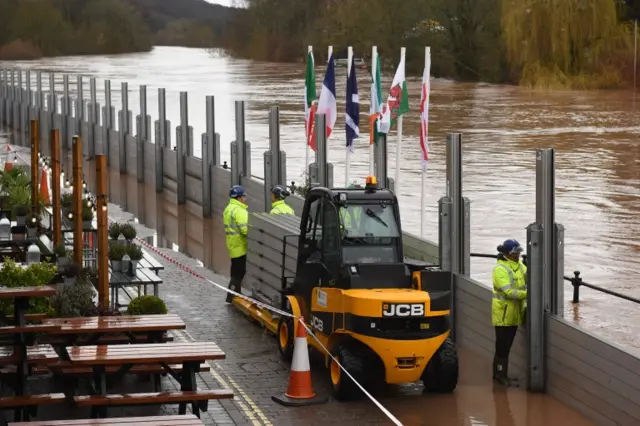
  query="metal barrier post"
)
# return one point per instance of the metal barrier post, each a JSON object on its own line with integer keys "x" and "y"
{"x": 238, "y": 164}
{"x": 454, "y": 192}
{"x": 124, "y": 127}
{"x": 94, "y": 118}
{"x": 107, "y": 121}
{"x": 161, "y": 138}
{"x": 536, "y": 332}
{"x": 545, "y": 217}
{"x": 143, "y": 134}
{"x": 380, "y": 161}
{"x": 182, "y": 148}
{"x": 321, "y": 150}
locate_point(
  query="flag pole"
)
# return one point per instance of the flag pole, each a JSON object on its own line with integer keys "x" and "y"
{"x": 374, "y": 61}
{"x": 423, "y": 177}
{"x": 306, "y": 136}
{"x": 347, "y": 161}
{"x": 403, "y": 52}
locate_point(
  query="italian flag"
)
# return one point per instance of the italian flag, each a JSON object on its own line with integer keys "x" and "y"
{"x": 310, "y": 101}
{"x": 397, "y": 102}
{"x": 376, "y": 102}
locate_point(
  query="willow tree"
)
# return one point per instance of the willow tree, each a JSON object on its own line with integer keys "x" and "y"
{"x": 564, "y": 42}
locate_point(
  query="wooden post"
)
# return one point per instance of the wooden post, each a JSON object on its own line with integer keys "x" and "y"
{"x": 103, "y": 225}
{"x": 35, "y": 132}
{"x": 78, "y": 241}
{"x": 55, "y": 186}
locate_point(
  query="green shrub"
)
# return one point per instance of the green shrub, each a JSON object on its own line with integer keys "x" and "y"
{"x": 134, "y": 252}
{"x": 117, "y": 251}
{"x": 36, "y": 274}
{"x": 74, "y": 300}
{"x": 128, "y": 231}
{"x": 147, "y": 305}
{"x": 114, "y": 230}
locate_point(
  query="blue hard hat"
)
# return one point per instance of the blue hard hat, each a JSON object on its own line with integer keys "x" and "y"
{"x": 236, "y": 191}
{"x": 280, "y": 192}
{"x": 510, "y": 247}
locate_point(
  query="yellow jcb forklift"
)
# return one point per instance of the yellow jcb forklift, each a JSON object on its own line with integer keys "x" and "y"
{"x": 382, "y": 318}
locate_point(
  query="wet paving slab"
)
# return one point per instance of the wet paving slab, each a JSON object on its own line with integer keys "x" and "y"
{"x": 254, "y": 371}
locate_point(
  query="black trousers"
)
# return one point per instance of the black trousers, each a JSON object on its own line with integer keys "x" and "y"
{"x": 504, "y": 340}
{"x": 238, "y": 268}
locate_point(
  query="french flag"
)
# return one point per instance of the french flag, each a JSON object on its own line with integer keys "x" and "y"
{"x": 327, "y": 104}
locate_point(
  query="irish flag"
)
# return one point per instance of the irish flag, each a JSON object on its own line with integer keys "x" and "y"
{"x": 397, "y": 102}
{"x": 310, "y": 100}
{"x": 376, "y": 102}
{"x": 424, "y": 109}
{"x": 327, "y": 104}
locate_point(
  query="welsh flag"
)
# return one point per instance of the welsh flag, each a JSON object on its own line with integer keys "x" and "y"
{"x": 310, "y": 101}
{"x": 424, "y": 110}
{"x": 376, "y": 103}
{"x": 397, "y": 102}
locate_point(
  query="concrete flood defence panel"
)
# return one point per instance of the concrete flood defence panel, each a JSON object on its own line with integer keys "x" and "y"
{"x": 588, "y": 373}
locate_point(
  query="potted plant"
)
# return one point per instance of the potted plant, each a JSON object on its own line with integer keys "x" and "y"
{"x": 116, "y": 252}
{"x": 135, "y": 254}
{"x": 87, "y": 217}
{"x": 61, "y": 255}
{"x": 66, "y": 200}
{"x": 114, "y": 231}
{"x": 128, "y": 232}
{"x": 71, "y": 273}
{"x": 21, "y": 212}
{"x": 32, "y": 222}
{"x": 75, "y": 300}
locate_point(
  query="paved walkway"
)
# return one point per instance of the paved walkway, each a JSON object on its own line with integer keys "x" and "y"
{"x": 254, "y": 371}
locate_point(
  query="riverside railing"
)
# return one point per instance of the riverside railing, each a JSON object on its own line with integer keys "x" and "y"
{"x": 576, "y": 281}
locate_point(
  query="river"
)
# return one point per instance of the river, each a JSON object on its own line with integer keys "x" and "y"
{"x": 595, "y": 135}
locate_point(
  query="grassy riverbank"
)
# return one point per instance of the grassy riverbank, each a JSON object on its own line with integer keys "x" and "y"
{"x": 31, "y": 29}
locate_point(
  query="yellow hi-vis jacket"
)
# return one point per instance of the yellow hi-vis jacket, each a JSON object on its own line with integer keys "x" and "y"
{"x": 509, "y": 293}
{"x": 280, "y": 207}
{"x": 236, "y": 225}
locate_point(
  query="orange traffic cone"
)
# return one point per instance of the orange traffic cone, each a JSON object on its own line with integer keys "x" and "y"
{"x": 300, "y": 391}
{"x": 44, "y": 188}
{"x": 8, "y": 165}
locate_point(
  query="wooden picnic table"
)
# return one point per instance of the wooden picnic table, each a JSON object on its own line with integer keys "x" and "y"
{"x": 190, "y": 355}
{"x": 70, "y": 330}
{"x": 183, "y": 420}
{"x": 20, "y": 330}
{"x": 143, "y": 278}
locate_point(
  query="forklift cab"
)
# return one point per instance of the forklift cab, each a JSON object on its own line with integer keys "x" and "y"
{"x": 350, "y": 239}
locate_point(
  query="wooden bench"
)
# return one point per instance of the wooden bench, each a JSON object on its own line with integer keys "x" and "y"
{"x": 117, "y": 324}
{"x": 153, "y": 398}
{"x": 28, "y": 328}
{"x": 8, "y": 402}
{"x": 143, "y": 278}
{"x": 184, "y": 420}
{"x": 33, "y": 318}
{"x": 39, "y": 354}
{"x": 190, "y": 355}
{"x": 106, "y": 340}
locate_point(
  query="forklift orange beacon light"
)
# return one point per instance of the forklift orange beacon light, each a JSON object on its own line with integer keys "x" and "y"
{"x": 371, "y": 180}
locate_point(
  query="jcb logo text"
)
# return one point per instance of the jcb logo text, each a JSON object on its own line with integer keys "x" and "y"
{"x": 317, "y": 323}
{"x": 403, "y": 310}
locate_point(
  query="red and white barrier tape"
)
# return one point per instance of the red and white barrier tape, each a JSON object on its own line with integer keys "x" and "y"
{"x": 271, "y": 308}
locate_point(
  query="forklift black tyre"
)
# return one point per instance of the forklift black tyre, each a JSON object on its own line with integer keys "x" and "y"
{"x": 441, "y": 373}
{"x": 344, "y": 388}
{"x": 285, "y": 338}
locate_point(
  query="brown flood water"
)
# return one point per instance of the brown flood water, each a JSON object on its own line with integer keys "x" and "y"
{"x": 595, "y": 135}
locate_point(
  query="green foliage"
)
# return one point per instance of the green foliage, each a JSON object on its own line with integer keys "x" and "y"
{"x": 117, "y": 251}
{"x": 60, "y": 250}
{"x": 87, "y": 213}
{"x": 33, "y": 28}
{"x": 128, "y": 231}
{"x": 34, "y": 275}
{"x": 135, "y": 252}
{"x": 147, "y": 305}
{"x": 66, "y": 200}
{"x": 114, "y": 230}
{"x": 554, "y": 44}
{"x": 74, "y": 300}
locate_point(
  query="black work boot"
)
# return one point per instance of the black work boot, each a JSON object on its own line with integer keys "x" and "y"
{"x": 235, "y": 286}
{"x": 501, "y": 373}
